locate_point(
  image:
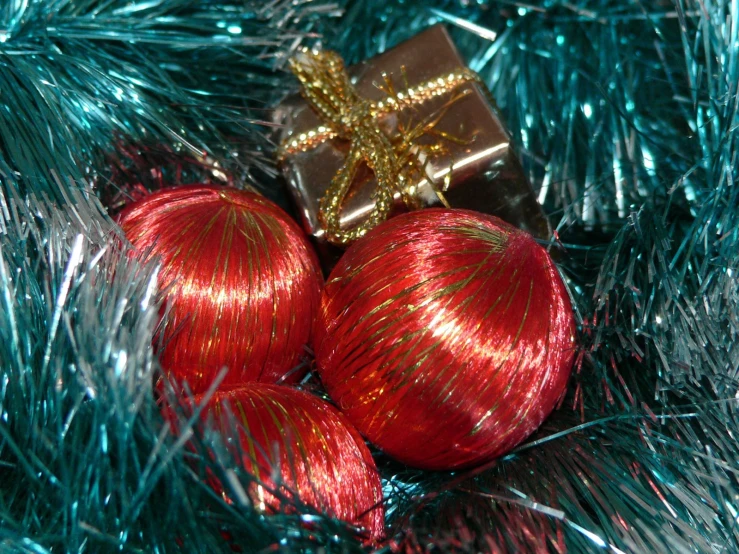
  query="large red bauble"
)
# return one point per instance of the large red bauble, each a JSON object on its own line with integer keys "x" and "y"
{"x": 310, "y": 447}
{"x": 242, "y": 283}
{"x": 445, "y": 336}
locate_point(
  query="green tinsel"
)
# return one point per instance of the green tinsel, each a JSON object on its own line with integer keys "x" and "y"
{"x": 625, "y": 114}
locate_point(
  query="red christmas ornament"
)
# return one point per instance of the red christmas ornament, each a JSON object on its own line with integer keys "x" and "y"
{"x": 242, "y": 283}
{"x": 445, "y": 336}
{"x": 309, "y": 446}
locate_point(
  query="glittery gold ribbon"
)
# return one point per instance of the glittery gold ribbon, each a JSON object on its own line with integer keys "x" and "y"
{"x": 347, "y": 115}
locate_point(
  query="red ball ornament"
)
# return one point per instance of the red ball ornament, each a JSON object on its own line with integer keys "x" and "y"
{"x": 242, "y": 283}
{"x": 297, "y": 444}
{"x": 445, "y": 336}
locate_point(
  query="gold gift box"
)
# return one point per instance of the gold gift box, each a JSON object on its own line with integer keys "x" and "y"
{"x": 476, "y": 168}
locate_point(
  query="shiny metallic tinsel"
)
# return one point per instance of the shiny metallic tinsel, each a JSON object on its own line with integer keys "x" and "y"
{"x": 625, "y": 112}
{"x": 77, "y": 76}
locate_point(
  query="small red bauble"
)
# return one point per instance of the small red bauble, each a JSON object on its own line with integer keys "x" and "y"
{"x": 309, "y": 447}
{"x": 242, "y": 283}
{"x": 445, "y": 336}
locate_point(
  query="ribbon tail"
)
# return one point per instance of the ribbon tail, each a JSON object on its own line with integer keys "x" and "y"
{"x": 330, "y": 214}
{"x": 372, "y": 151}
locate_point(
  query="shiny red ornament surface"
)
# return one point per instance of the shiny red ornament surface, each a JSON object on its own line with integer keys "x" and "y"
{"x": 445, "y": 336}
{"x": 242, "y": 283}
{"x": 310, "y": 447}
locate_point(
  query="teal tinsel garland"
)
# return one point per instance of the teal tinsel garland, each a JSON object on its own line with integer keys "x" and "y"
{"x": 626, "y": 116}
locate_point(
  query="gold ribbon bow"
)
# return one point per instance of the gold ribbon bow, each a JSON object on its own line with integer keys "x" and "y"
{"x": 347, "y": 115}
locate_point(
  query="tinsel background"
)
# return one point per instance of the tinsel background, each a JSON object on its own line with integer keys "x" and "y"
{"x": 625, "y": 113}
